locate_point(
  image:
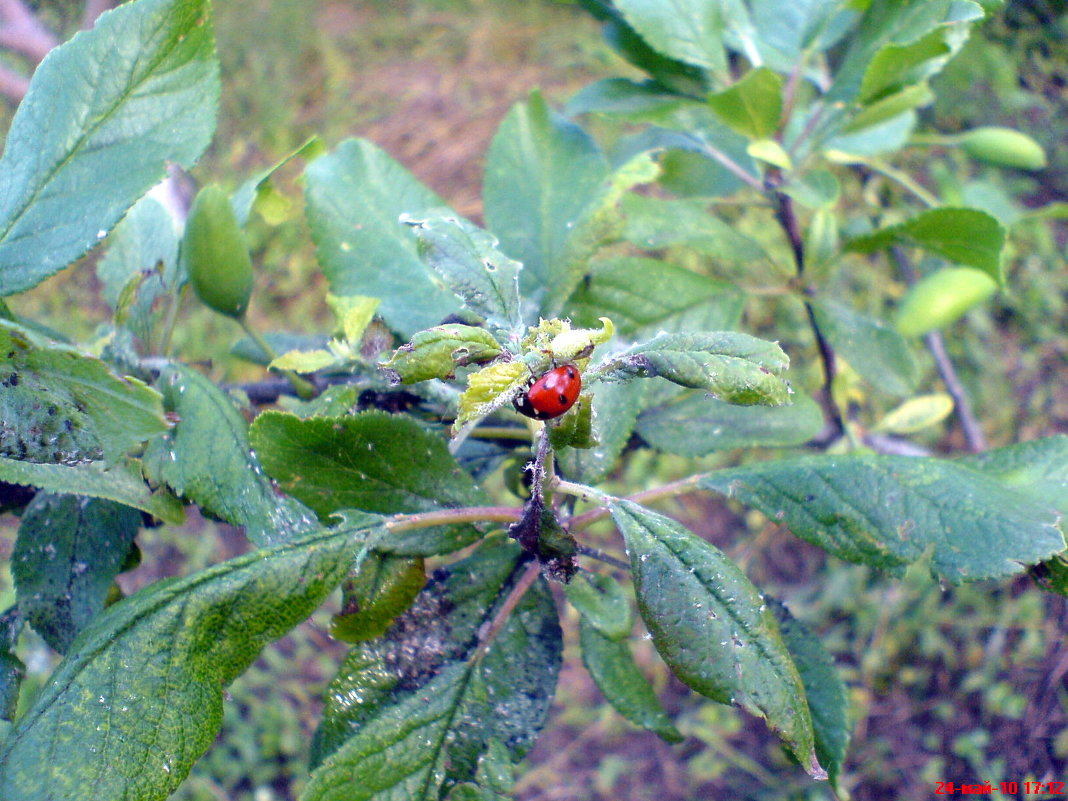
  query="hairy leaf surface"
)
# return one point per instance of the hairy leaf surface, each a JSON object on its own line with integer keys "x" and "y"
{"x": 371, "y": 461}
{"x": 138, "y": 698}
{"x": 207, "y": 459}
{"x": 415, "y": 711}
{"x": 60, "y": 406}
{"x": 887, "y": 511}
{"x": 68, "y": 552}
{"x": 355, "y": 199}
{"x": 104, "y": 114}
{"x": 712, "y": 627}
{"x": 733, "y": 367}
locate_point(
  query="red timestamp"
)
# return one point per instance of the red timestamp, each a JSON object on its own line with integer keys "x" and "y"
{"x": 1004, "y": 788}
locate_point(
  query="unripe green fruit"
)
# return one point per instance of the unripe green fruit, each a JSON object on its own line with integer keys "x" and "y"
{"x": 215, "y": 254}
{"x": 941, "y": 298}
{"x": 1004, "y": 147}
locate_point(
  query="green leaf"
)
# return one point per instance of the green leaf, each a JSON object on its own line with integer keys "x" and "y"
{"x": 541, "y": 172}
{"x": 690, "y": 31}
{"x": 61, "y": 406}
{"x": 68, "y": 552}
{"x": 887, "y": 511}
{"x": 824, "y": 689}
{"x": 888, "y": 136}
{"x": 890, "y": 106}
{"x": 636, "y": 102}
{"x": 142, "y": 686}
{"x": 814, "y": 189}
{"x": 712, "y": 627}
{"x": 354, "y": 314}
{"x": 104, "y": 115}
{"x": 355, "y": 198}
{"x": 771, "y": 152}
{"x": 468, "y": 261}
{"x": 601, "y": 601}
{"x": 12, "y": 672}
{"x": 964, "y": 236}
{"x": 916, "y": 414}
{"x": 207, "y": 459}
{"x": 653, "y": 223}
{"x": 371, "y": 461}
{"x": 1039, "y": 468}
{"x": 122, "y": 482}
{"x": 822, "y": 244}
{"x": 736, "y": 368}
{"x": 645, "y": 296}
{"x": 615, "y": 409}
{"x": 941, "y": 298}
{"x": 280, "y": 342}
{"x": 438, "y": 351}
{"x": 784, "y": 31}
{"x": 696, "y": 425}
{"x": 143, "y": 257}
{"x": 611, "y": 666}
{"x": 1052, "y": 575}
{"x": 753, "y": 105}
{"x": 259, "y": 186}
{"x": 671, "y": 73}
{"x": 896, "y": 67}
{"x": 383, "y": 588}
{"x": 874, "y": 349}
{"x": 304, "y": 361}
{"x": 402, "y": 720}
{"x": 895, "y": 41}
{"x": 600, "y": 225}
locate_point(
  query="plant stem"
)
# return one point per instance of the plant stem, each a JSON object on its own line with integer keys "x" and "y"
{"x": 305, "y": 389}
{"x": 903, "y": 180}
{"x": 936, "y": 346}
{"x": 643, "y": 497}
{"x": 601, "y": 556}
{"x": 831, "y": 412}
{"x": 933, "y": 140}
{"x": 732, "y": 166}
{"x": 969, "y": 423}
{"x": 466, "y": 514}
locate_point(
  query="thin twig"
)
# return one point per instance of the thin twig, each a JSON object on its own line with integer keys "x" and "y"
{"x": 788, "y": 221}
{"x": 969, "y": 423}
{"x": 733, "y": 166}
{"x": 470, "y": 514}
{"x": 601, "y": 556}
{"x": 644, "y": 497}
{"x": 936, "y": 345}
{"x": 491, "y": 629}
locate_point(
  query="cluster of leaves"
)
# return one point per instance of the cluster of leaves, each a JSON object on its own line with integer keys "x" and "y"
{"x": 356, "y": 483}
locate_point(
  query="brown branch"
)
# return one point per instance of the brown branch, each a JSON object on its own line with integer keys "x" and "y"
{"x": 832, "y": 414}
{"x": 969, "y": 423}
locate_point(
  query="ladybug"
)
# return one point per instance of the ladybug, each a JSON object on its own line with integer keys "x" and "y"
{"x": 552, "y": 394}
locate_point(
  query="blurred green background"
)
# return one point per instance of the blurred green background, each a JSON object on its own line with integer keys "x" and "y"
{"x": 963, "y": 684}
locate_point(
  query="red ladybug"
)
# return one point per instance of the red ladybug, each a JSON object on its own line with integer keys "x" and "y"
{"x": 552, "y": 394}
